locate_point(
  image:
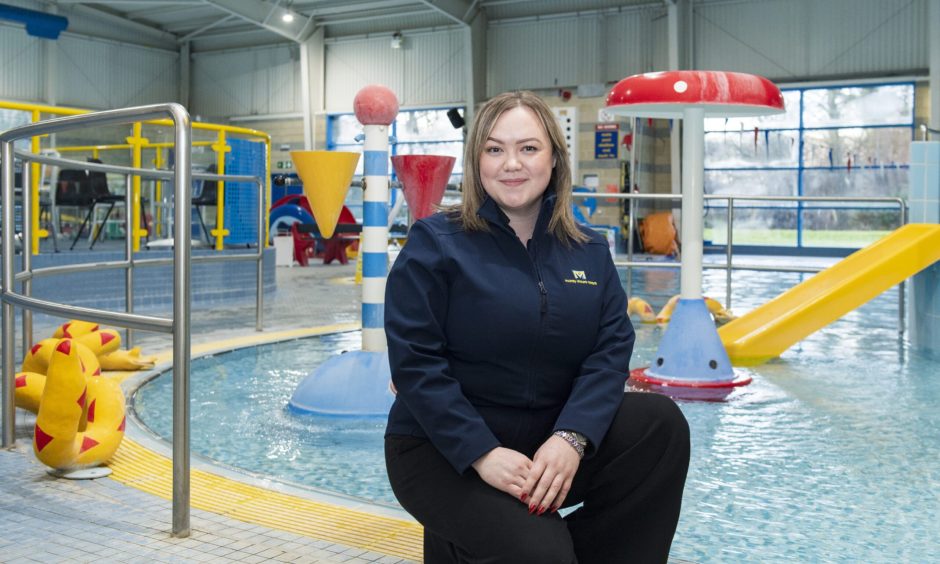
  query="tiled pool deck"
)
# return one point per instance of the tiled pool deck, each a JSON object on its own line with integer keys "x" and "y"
{"x": 43, "y": 519}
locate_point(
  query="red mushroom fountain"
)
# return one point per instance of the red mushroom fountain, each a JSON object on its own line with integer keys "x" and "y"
{"x": 691, "y": 361}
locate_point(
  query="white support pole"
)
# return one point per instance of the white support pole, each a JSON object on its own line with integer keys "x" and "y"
{"x": 933, "y": 59}
{"x": 693, "y": 187}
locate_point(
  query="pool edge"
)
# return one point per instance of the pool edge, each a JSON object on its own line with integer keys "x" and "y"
{"x": 278, "y": 505}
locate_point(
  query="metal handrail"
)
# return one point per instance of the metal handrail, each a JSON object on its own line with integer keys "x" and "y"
{"x": 729, "y": 265}
{"x": 29, "y": 274}
{"x": 178, "y": 325}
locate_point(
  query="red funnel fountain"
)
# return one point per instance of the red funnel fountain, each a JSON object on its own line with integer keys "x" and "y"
{"x": 423, "y": 180}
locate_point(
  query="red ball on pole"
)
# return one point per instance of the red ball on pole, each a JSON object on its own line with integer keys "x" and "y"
{"x": 375, "y": 105}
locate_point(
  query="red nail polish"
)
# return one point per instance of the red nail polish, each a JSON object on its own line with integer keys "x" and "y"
{"x": 554, "y": 508}
{"x": 541, "y": 510}
{"x": 531, "y": 509}
{"x": 524, "y": 495}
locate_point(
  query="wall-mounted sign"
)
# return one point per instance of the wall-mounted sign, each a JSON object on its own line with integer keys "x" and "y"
{"x": 284, "y": 165}
{"x": 605, "y": 140}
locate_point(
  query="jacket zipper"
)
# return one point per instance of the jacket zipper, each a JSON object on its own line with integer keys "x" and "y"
{"x": 544, "y": 298}
{"x": 543, "y": 309}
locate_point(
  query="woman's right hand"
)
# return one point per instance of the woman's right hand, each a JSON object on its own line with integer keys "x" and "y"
{"x": 504, "y": 469}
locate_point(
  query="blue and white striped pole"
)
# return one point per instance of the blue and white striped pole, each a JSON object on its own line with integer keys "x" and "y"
{"x": 376, "y": 107}
{"x": 374, "y": 240}
{"x": 357, "y": 382}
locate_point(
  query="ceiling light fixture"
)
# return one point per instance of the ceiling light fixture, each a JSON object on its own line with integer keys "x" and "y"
{"x": 396, "y": 40}
{"x": 287, "y": 17}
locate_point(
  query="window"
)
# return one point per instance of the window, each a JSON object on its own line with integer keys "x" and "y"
{"x": 850, "y": 141}
{"x": 15, "y": 118}
{"x": 414, "y": 132}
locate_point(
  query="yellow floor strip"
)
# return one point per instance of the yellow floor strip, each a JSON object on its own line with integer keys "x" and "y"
{"x": 143, "y": 469}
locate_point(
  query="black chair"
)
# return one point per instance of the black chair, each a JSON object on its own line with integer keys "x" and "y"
{"x": 98, "y": 182}
{"x": 87, "y": 189}
{"x": 207, "y": 196}
{"x": 73, "y": 189}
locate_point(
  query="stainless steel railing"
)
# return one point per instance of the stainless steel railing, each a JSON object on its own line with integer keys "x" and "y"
{"x": 729, "y": 264}
{"x": 130, "y": 262}
{"x": 178, "y": 325}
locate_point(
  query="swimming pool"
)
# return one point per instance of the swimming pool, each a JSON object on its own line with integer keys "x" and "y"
{"x": 831, "y": 454}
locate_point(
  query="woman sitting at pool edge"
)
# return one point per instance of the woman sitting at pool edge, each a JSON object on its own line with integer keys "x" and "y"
{"x": 509, "y": 347}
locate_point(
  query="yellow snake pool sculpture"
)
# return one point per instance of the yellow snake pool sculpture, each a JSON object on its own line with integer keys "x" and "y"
{"x": 641, "y": 308}
{"x": 80, "y": 415}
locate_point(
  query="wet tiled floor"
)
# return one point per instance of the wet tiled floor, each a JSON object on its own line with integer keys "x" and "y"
{"x": 44, "y": 519}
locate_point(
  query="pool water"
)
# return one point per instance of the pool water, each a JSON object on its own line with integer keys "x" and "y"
{"x": 831, "y": 454}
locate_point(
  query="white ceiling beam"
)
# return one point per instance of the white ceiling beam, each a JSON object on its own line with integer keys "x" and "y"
{"x": 100, "y": 15}
{"x": 182, "y": 12}
{"x": 471, "y": 11}
{"x": 453, "y": 9}
{"x": 232, "y": 32}
{"x": 346, "y": 8}
{"x": 386, "y": 16}
{"x": 268, "y": 16}
{"x": 205, "y": 28}
{"x": 127, "y": 2}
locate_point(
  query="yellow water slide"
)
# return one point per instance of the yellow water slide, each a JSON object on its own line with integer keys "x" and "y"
{"x": 772, "y": 328}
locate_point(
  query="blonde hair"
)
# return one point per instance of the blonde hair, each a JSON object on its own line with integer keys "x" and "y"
{"x": 561, "y": 224}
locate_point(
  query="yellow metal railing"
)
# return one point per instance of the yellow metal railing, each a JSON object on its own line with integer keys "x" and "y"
{"x": 136, "y": 144}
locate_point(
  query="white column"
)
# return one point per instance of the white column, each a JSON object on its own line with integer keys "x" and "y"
{"x": 185, "y": 73}
{"x": 50, "y": 62}
{"x": 312, "y": 54}
{"x": 933, "y": 24}
{"x": 693, "y": 183}
{"x": 475, "y": 49}
{"x": 679, "y": 36}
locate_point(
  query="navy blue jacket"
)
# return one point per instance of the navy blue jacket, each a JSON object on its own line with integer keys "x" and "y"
{"x": 494, "y": 344}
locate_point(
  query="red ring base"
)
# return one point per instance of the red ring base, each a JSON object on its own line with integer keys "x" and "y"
{"x": 687, "y": 389}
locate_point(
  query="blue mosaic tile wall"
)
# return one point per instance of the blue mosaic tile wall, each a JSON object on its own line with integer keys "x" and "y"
{"x": 212, "y": 283}
{"x": 924, "y": 205}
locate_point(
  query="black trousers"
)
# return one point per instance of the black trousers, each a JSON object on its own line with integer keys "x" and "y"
{"x": 631, "y": 490}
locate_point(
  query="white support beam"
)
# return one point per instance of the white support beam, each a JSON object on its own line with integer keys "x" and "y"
{"x": 371, "y": 17}
{"x": 346, "y": 7}
{"x": 475, "y": 48}
{"x": 50, "y": 65}
{"x": 312, "y": 91}
{"x": 679, "y": 33}
{"x": 270, "y": 17}
{"x": 453, "y": 9}
{"x": 679, "y": 39}
{"x": 185, "y": 73}
{"x": 153, "y": 34}
{"x": 126, "y": 2}
{"x": 205, "y": 28}
{"x": 933, "y": 58}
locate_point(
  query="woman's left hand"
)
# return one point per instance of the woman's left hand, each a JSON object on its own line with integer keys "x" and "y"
{"x": 553, "y": 469}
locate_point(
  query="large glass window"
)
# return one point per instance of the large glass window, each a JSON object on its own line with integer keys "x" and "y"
{"x": 851, "y": 141}
{"x": 414, "y": 132}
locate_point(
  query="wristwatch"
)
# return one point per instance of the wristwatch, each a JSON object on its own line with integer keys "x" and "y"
{"x": 577, "y": 441}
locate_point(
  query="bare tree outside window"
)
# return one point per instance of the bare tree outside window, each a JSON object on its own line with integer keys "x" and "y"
{"x": 832, "y": 141}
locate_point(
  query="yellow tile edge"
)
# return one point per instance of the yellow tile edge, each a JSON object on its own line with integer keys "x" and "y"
{"x": 143, "y": 469}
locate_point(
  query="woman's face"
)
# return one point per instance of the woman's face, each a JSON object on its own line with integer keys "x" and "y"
{"x": 517, "y": 162}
